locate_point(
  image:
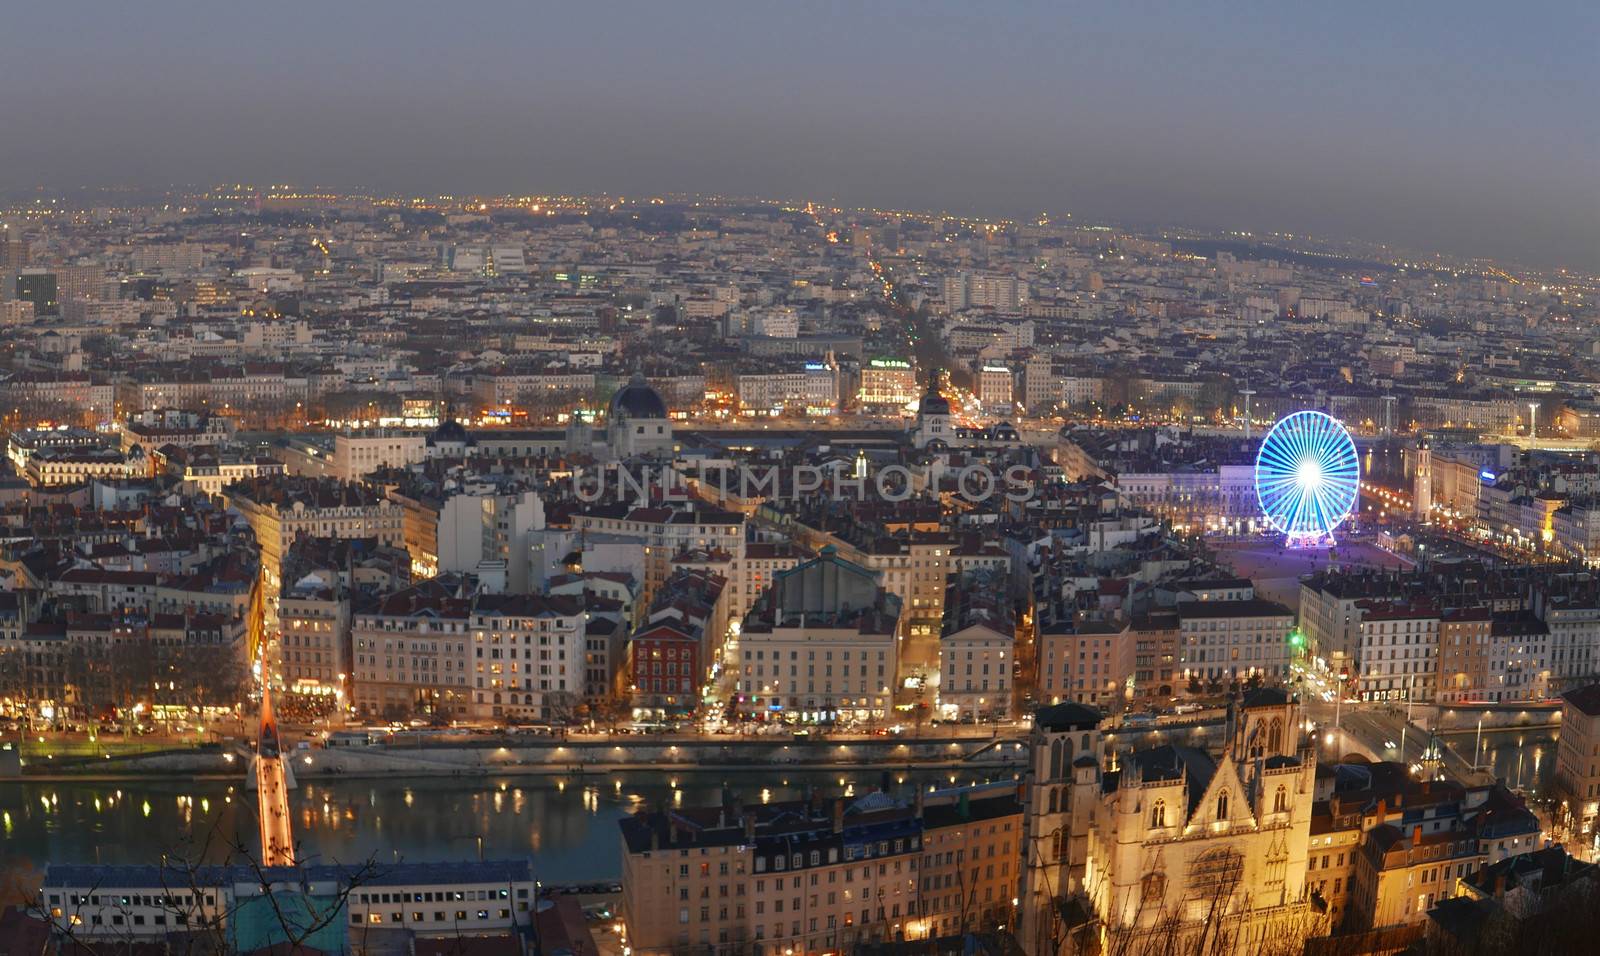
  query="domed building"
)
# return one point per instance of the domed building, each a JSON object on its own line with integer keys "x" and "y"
{"x": 934, "y": 421}
{"x": 450, "y": 440}
{"x": 636, "y": 421}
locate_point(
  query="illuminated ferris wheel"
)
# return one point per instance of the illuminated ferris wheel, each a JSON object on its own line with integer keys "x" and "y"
{"x": 1307, "y": 476}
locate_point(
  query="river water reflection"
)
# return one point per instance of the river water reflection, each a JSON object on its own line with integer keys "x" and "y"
{"x": 567, "y": 825}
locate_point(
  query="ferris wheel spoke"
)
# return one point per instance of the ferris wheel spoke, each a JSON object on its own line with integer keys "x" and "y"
{"x": 1307, "y": 474}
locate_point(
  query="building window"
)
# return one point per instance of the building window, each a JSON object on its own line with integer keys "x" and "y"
{"x": 1158, "y": 814}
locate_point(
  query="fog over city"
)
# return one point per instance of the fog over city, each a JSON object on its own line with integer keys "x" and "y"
{"x": 1466, "y": 128}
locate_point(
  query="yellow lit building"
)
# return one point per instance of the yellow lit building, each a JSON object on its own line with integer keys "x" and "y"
{"x": 820, "y": 875}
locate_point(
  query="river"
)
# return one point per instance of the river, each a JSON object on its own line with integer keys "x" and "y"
{"x": 567, "y": 825}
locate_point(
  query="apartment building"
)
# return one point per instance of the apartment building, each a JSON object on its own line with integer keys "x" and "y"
{"x": 755, "y": 571}
{"x": 359, "y": 453}
{"x": 206, "y": 471}
{"x": 51, "y": 467}
{"x": 1578, "y": 761}
{"x": 1234, "y": 640}
{"x": 325, "y": 581}
{"x": 984, "y": 291}
{"x": 528, "y": 656}
{"x": 1086, "y": 662}
{"x": 1398, "y": 650}
{"x": 1157, "y": 642}
{"x": 1464, "y": 658}
{"x": 820, "y": 875}
{"x": 1330, "y": 619}
{"x": 1572, "y": 613}
{"x": 665, "y": 532}
{"x": 59, "y": 395}
{"x": 1519, "y": 657}
{"x": 315, "y": 644}
{"x": 673, "y": 651}
{"x": 414, "y": 653}
{"x": 915, "y": 568}
{"x": 977, "y": 648}
{"x": 1417, "y": 840}
{"x": 822, "y": 645}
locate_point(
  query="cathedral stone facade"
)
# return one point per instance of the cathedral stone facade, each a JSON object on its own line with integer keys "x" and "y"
{"x": 1171, "y": 847}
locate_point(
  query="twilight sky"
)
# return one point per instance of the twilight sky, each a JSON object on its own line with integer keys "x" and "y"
{"x": 1468, "y": 126}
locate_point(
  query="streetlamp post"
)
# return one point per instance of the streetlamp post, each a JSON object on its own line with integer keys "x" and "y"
{"x": 1338, "y": 703}
{"x": 1411, "y": 681}
{"x": 1477, "y": 748}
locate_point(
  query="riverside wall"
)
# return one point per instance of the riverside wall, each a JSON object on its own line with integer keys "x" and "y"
{"x": 475, "y": 758}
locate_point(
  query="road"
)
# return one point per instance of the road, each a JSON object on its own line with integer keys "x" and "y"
{"x": 1373, "y": 727}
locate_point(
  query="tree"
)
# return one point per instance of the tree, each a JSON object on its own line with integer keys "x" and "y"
{"x": 611, "y": 711}
{"x": 130, "y": 669}
{"x": 561, "y": 706}
{"x": 209, "y": 675}
{"x": 14, "y": 686}
{"x": 1216, "y": 395}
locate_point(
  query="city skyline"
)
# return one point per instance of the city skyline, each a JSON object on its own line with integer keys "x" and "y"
{"x": 1463, "y": 134}
{"x": 799, "y": 480}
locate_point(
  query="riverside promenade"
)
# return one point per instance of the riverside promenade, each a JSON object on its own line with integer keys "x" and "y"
{"x": 486, "y": 754}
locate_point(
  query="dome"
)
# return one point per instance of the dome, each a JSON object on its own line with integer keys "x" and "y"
{"x": 933, "y": 403}
{"x": 637, "y": 400}
{"x": 449, "y": 430}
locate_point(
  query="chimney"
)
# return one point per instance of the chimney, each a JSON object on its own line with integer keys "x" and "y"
{"x": 1416, "y": 834}
{"x": 920, "y": 792}
{"x": 838, "y": 815}
{"x": 749, "y": 828}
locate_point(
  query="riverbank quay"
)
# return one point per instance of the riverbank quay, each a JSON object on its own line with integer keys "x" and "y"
{"x": 499, "y": 756}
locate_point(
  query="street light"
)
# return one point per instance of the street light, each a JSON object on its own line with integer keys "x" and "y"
{"x": 1477, "y": 748}
{"x": 1338, "y": 698}
{"x": 1411, "y": 680}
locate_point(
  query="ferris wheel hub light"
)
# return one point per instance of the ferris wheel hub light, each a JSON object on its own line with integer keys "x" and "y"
{"x": 1309, "y": 473}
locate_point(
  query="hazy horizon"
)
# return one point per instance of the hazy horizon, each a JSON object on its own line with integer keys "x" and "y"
{"x": 1455, "y": 128}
